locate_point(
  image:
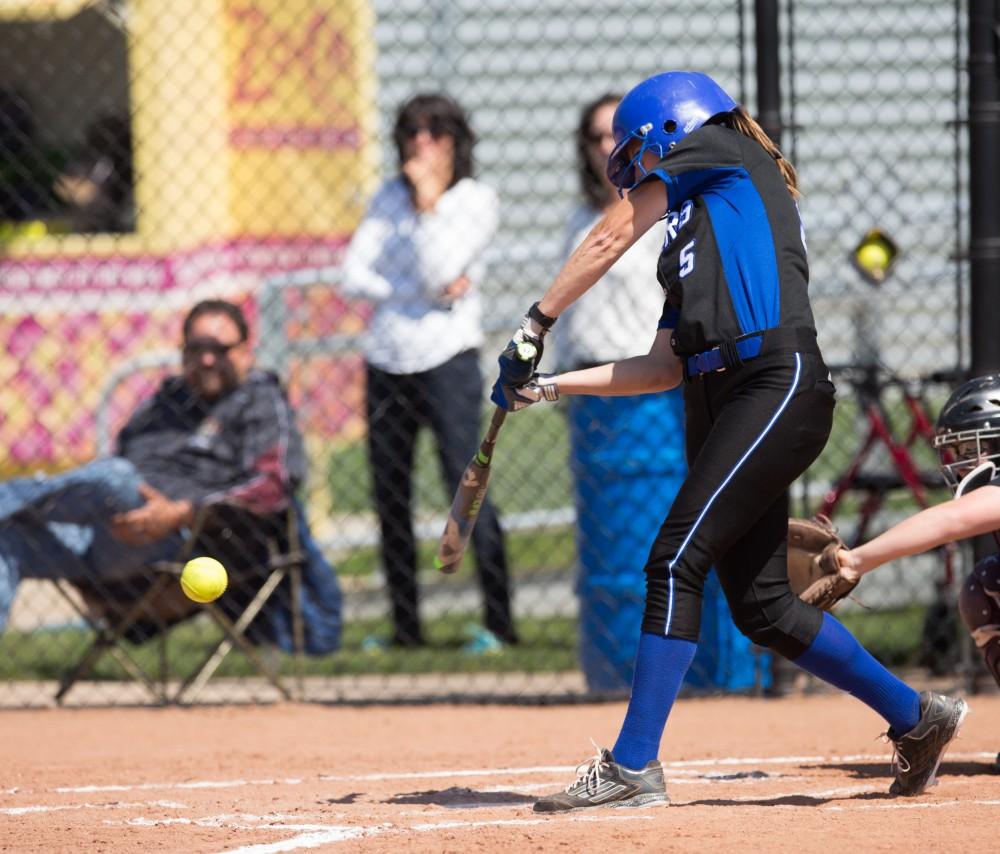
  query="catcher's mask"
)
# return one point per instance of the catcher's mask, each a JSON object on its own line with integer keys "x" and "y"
{"x": 968, "y": 434}
{"x": 660, "y": 112}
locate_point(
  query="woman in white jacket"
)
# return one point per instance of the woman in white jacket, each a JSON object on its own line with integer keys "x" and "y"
{"x": 418, "y": 257}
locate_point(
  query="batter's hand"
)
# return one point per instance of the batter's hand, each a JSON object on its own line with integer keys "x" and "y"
{"x": 519, "y": 359}
{"x": 539, "y": 387}
{"x": 157, "y": 518}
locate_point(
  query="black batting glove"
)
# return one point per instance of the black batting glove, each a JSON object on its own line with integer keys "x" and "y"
{"x": 519, "y": 359}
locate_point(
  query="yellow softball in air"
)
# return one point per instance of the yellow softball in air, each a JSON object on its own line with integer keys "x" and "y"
{"x": 204, "y": 579}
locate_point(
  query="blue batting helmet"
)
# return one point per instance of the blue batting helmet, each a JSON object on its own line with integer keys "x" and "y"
{"x": 661, "y": 111}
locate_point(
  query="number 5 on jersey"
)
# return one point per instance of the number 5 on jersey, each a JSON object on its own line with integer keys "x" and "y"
{"x": 687, "y": 259}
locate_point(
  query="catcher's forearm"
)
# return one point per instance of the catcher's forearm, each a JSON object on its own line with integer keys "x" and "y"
{"x": 968, "y": 516}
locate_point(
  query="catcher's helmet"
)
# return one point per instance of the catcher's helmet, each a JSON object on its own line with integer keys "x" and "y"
{"x": 661, "y": 111}
{"x": 968, "y": 431}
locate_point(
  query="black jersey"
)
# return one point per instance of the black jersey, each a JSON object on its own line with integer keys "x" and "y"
{"x": 734, "y": 255}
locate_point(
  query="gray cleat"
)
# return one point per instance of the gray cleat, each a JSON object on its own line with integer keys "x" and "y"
{"x": 918, "y": 753}
{"x": 602, "y": 782}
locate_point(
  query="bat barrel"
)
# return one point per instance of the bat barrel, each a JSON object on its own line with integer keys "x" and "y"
{"x": 468, "y": 500}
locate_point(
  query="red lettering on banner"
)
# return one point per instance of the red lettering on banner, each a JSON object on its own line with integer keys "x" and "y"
{"x": 312, "y": 55}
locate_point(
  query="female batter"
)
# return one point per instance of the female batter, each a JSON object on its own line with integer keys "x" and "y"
{"x": 737, "y": 329}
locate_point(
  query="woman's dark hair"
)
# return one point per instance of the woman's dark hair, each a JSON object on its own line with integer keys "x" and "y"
{"x": 217, "y": 306}
{"x": 441, "y": 115}
{"x": 592, "y": 184}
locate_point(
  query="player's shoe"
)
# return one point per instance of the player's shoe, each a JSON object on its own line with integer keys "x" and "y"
{"x": 918, "y": 753}
{"x": 602, "y": 782}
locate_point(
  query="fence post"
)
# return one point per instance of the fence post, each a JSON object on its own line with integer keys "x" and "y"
{"x": 766, "y": 39}
{"x": 984, "y": 184}
{"x": 984, "y": 198}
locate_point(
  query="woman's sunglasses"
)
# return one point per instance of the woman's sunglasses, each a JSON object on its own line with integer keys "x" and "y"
{"x": 434, "y": 126}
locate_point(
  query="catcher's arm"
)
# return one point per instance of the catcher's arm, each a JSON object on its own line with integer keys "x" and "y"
{"x": 975, "y": 513}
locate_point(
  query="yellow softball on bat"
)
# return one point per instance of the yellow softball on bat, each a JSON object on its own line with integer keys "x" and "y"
{"x": 526, "y": 351}
{"x": 204, "y": 579}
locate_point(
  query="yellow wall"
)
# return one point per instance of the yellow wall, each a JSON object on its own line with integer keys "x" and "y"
{"x": 301, "y": 110}
{"x": 251, "y": 119}
{"x": 178, "y": 82}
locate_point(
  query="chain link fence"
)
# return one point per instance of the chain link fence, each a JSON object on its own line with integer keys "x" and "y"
{"x": 157, "y": 154}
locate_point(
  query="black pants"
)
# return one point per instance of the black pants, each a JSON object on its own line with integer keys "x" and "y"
{"x": 448, "y": 399}
{"x": 750, "y": 433}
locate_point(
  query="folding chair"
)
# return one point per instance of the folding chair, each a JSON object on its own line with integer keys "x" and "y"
{"x": 262, "y": 554}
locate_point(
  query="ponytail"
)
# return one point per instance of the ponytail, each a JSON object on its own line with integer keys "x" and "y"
{"x": 740, "y": 120}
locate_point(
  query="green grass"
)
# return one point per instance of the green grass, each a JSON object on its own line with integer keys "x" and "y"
{"x": 894, "y": 637}
{"x": 527, "y": 552}
{"x": 532, "y": 473}
{"x": 547, "y": 645}
{"x": 532, "y": 469}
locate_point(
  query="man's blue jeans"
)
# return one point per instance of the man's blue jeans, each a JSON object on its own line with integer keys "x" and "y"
{"x": 60, "y": 527}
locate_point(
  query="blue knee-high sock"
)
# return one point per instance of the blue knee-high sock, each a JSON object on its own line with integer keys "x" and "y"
{"x": 660, "y": 665}
{"x": 836, "y": 657}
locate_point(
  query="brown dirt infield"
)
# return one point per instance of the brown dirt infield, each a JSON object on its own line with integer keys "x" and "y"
{"x": 801, "y": 774}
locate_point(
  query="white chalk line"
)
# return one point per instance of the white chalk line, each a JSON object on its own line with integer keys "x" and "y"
{"x": 431, "y": 775}
{"x": 193, "y": 784}
{"x": 312, "y": 835}
{"x": 116, "y": 805}
{"x": 920, "y": 805}
{"x": 314, "y": 839}
{"x": 234, "y": 821}
{"x": 675, "y": 768}
{"x": 528, "y": 822}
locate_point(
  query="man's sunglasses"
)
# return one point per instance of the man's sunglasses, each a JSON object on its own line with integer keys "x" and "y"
{"x": 197, "y": 347}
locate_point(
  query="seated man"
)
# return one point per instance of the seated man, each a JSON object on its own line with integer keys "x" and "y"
{"x": 221, "y": 433}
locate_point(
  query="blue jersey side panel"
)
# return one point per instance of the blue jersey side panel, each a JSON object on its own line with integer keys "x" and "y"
{"x": 746, "y": 249}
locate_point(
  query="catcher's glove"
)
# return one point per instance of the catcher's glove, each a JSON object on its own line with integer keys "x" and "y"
{"x": 813, "y": 570}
